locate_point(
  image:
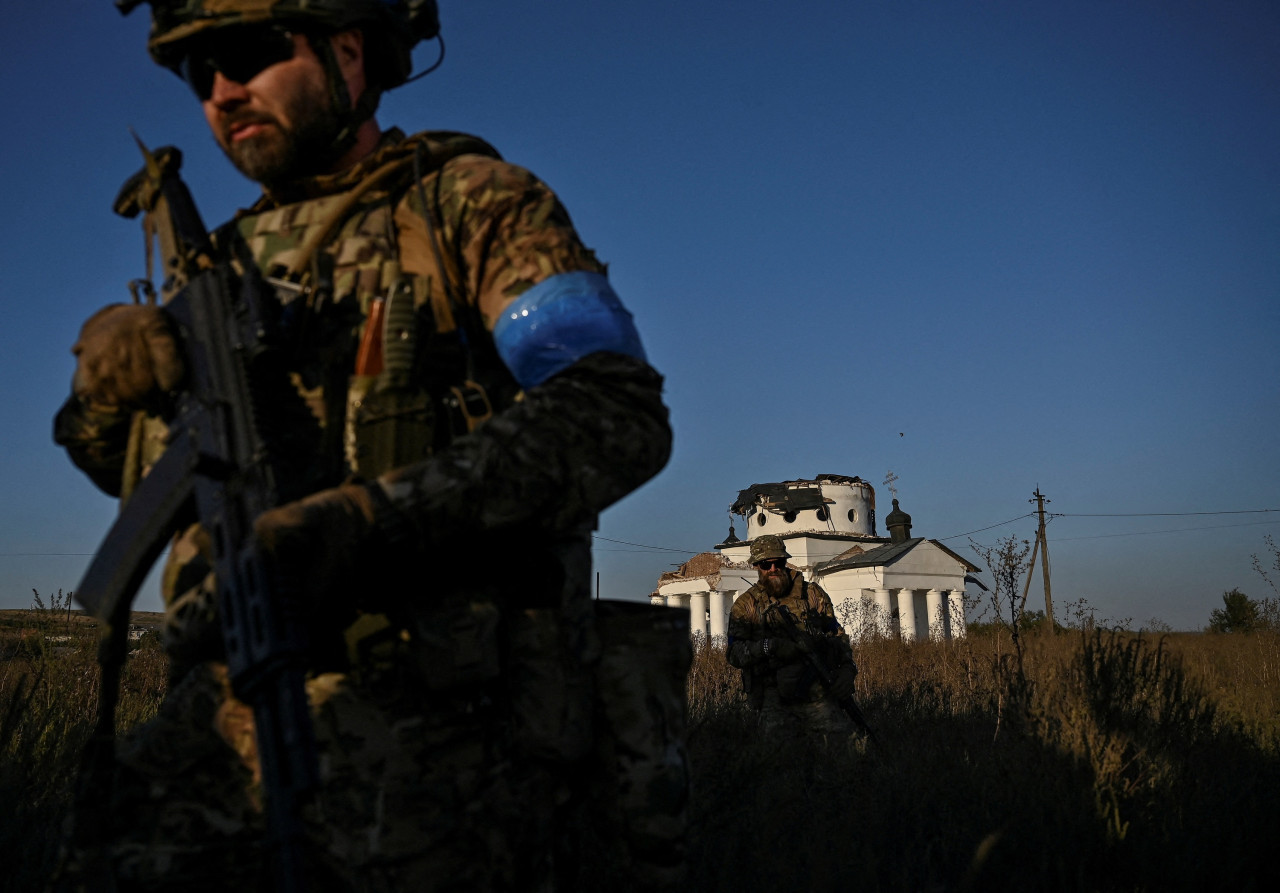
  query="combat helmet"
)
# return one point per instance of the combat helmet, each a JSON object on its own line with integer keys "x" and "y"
{"x": 392, "y": 27}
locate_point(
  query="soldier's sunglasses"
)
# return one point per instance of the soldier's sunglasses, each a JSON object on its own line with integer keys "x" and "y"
{"x": 770, "y": 563}
{"x": 238, "y": 53}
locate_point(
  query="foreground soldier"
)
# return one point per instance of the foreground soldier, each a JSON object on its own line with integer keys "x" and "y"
{"x": 467, "y": 385}
{"x": 779, "y": 679}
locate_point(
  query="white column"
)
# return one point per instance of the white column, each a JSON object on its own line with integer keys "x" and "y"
{"x": 719, "y": 613}
{"x": 884, "y": 611}
{"x": 657, "y": 599}
{"x": 680, "y": 600}
{"x": 934, "y": 602}
{"x": 698, "y": 614}
{"x": 956, "y": 604}
{"x": 907, "y": 615}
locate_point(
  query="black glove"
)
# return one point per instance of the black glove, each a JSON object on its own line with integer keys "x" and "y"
{"x": 842, "y": 681}
{"x": 778, "y": 648}
{"x": 326, "y": 546}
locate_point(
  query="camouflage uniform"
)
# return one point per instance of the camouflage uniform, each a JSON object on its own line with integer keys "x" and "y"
{"x": 787, "y": 692}
{"x": 453, "y": 717}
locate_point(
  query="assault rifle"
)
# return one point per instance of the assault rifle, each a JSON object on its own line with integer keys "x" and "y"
{"x": 800, "y": 639}
{"x": 218, "y": 467}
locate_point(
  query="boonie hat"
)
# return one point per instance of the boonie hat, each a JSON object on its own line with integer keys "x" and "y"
{"x": 768, "y": 546}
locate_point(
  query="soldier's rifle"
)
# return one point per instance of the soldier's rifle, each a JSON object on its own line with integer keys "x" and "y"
{"x": 218, "y": 467}
{"x": 802, "y": 641}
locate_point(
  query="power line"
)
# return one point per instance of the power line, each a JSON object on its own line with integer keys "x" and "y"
{"x": 47, "y": 554}
{"x": 1127, "y": 515}
{"x": 1159, "y": 514}
{"x": 639, "y": 551}
{"x": 1107, "y": 536}
{"x": 980, "y": 529}
{"x": 643, "y": 545}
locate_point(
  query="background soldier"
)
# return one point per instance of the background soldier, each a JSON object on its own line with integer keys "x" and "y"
{"x": 466, "y": 380}
{"x": 778, "y": 677}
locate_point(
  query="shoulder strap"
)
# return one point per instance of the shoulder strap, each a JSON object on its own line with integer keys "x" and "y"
{"x": 478, "y": 351}
{"x": 450, "y": 275}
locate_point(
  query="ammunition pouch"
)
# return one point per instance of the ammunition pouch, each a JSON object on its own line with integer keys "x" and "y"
{"x": 388, "y": 426}
{"x": 795, "y": 682}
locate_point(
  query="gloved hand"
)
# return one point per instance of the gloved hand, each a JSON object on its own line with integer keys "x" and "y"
{"x": 779, "y": 648}
{"x": 324, "y": 547}
{"x": 126, "y": 355}
{"x": 842, "y": 683}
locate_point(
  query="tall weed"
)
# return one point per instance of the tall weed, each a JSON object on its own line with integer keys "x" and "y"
{"x": 1092, "y": 760}
{"x": 48, "y": 703}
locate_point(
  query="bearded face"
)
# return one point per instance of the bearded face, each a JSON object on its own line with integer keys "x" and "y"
{"x": 775, "y": 579}
{"x": 296, "y": 143}
{"x": 280, "y": 124}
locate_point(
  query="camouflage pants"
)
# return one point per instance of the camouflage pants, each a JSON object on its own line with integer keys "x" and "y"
{"x": 641, "y": 783}
{"x": 414, "y": 796}
{"x": 813, "y": 718}
{"x": 422, "y": 791}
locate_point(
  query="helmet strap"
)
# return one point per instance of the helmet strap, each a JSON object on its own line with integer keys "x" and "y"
{"x": 350, "y": 115}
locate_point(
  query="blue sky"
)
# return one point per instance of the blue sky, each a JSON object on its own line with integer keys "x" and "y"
{"x": 988, "y": 245}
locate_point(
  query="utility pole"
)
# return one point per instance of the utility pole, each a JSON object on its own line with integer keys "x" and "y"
{"x": 1043, "y": 543}
{"x": 1031, "y": 572}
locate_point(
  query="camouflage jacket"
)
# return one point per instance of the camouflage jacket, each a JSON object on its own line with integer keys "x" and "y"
{"x": 463, "y": 240}
{"x": 751, "y": 622}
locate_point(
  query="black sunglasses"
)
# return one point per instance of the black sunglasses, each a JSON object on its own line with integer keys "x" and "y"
{"x": 771, "y": 563}
{"x": 239, "y": 53}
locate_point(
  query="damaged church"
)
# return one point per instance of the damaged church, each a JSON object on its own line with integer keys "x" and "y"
{"x": 895, "y": 585}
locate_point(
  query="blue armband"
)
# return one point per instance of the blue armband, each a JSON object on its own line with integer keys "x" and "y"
{"x": 558, "y": 322}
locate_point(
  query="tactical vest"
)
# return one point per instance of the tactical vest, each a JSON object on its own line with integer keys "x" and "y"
{"x": 389, "y": 353}
{"x": 797, "y": 682}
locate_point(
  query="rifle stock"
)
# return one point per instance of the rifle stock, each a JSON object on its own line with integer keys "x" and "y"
{"x": 220, "y": 463}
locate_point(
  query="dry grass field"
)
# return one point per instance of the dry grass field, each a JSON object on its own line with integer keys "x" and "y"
{"x": 1086, "y": 761}
{"x": 48, "y": 698}
{"x": 1090, "y": 761}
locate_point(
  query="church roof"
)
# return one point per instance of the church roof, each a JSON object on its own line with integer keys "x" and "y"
{"x": 884, "y": 556}
{"x": 789, "y": 496}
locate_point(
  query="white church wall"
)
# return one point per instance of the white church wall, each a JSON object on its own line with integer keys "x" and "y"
{"x": 850, "y": 509}
{"x": 926, "y": 558}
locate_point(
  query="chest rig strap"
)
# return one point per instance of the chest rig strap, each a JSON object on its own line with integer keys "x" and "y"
{"x": 469, "y": 400}
{"x": 402, "y": 403}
